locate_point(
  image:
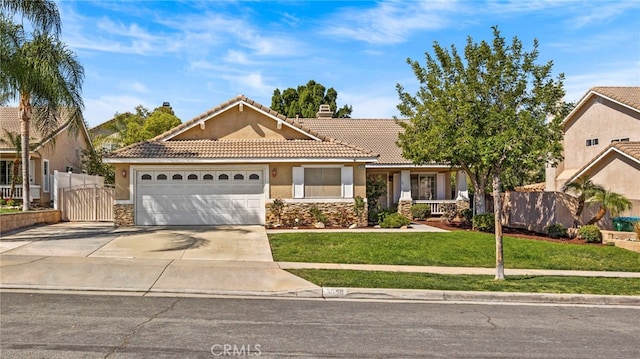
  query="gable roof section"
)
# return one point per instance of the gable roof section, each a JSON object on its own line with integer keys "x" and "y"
{"x": 10, "y": 121}
{"x": 318, "y": 147}
{"x": 625, "y": 96}
{"x": 630, "y": 150}
{"x": 239, "y": 100}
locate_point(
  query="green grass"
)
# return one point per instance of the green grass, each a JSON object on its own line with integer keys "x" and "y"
{"x": 529, "y": 284}
{"x": 451, "y": 249}
{"x": 9, "y": 210}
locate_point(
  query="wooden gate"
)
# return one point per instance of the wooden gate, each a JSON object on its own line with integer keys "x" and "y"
{"x": 93, "y": 203}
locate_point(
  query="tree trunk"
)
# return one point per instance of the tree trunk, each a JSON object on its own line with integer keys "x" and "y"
{"x": 479, "y": 197}
{"x": 599, "y": 215}
{"x": 14, "y": 176}
{"x": 25, "y": 116}
{"x": 497, "y": 209}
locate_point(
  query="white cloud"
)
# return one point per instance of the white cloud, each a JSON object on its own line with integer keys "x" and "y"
{"x": 237, "y": 58}
{"x": 614, "y": 74}
{"x": 137, "y": 86}
{"x": 249, "y": 83}
{"x": 370, "y": 105}
{"x": 390, "y": 22}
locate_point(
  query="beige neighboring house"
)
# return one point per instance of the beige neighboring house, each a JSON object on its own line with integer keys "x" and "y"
{"x": 602, "y": 142}
{"x": 58, "y": 151}
{"x": 227, "y": 166}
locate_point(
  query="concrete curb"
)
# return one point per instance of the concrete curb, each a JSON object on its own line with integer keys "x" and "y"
{"x": 365, "y": 294}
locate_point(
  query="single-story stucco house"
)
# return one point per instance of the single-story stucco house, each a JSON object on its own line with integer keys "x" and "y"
{"x": 227, "y": 166}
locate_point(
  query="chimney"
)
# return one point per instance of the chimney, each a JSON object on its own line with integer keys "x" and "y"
{"x": 324, "y": 112}
{"x": 166, "y": 104}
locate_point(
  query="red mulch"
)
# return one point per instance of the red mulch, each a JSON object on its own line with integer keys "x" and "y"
{"x": 511, "y": 232}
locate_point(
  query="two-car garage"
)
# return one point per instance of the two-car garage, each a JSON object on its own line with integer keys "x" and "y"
{"x": 199, "y": 196}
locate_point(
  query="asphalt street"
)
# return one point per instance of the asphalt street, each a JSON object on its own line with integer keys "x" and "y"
{"x": 37, "y": 325}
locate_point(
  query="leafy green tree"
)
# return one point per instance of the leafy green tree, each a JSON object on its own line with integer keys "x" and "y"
{"x": 609, "y": 201}
{"x": 489, "y": 113}
{"x": 141, "y": 125}
{"x": 306, "y": 100}
{"x": 92, "y": 164}
{"x": 44, "y": 76}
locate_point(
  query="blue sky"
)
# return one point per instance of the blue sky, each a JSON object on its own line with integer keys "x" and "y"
{"x": 198, "y": 54}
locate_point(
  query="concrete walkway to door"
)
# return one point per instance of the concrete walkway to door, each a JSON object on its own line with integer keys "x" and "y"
{"x": 98, "y": 256}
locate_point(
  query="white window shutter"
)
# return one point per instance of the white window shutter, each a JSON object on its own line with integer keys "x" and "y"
{"x": 298, "y": 182}
{"x": 347, "y": 182}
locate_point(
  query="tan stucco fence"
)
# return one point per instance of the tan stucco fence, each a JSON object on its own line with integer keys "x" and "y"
{"x": 534, "y": 211}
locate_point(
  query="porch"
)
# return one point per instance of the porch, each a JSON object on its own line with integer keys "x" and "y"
{"x": 5, "y": 191}
{"x": 438, "y": 206}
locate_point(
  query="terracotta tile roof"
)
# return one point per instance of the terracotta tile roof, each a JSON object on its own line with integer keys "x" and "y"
{"x": 9, "y": 121}
{"x": 242, "y": 149}
{"x": 629, "y": 96}
{"x": 379, "y": 135}
{"x": 629, "y": 148}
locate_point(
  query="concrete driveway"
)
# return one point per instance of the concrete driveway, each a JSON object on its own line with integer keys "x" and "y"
{"x": 94, "y": 239}
{"x": 232, "y": 260}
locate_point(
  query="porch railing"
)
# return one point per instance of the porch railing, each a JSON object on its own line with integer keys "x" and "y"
{"x": 5, "y": 191}
{"x": 437, "y": 206}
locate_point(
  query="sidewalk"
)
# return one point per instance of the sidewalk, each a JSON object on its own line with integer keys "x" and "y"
{"x": 456, "y": 270}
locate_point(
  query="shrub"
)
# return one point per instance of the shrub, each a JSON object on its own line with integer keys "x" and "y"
{"x": 466, "y": 215}
{"x": 358, "y": 207}
{"x": 384, "y": 212}
{"x": 556, "y": 230}
{"x": 484, "y": 222}
{"x": 317, "y": 214}
{"x": 450, "y": 211}
{"x": 394, "y": 220}
{"x": 12, "y": 203}
{"x": 590, "y": 233}
{"x": 3, "y": 201}
{"x": 421, "y": 211}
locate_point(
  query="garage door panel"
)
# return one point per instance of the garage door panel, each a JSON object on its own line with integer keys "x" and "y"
{"x": 199, "y": 202}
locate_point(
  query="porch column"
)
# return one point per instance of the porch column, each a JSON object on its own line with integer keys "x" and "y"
{"x": 404, "y": 204}
{"x": 461, "y": 186}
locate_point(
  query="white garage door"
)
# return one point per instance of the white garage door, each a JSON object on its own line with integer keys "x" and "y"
{"x": 199, "y": 197}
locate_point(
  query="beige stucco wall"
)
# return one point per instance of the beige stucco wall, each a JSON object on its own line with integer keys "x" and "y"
{"x": 601, "y": 119}
{"x": 281, "y": 186}
{"x": 618, "y": 174}
{"x": 122, "y": 183}
{"x": 245, "y": 124}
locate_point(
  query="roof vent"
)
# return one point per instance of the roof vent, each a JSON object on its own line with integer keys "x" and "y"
{"x": 324, "y": 112}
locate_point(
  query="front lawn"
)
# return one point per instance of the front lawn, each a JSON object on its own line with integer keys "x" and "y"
{"x": 9, "y": 210}
{"x": 451, "y": 249}
{"x": 529, "y": 284}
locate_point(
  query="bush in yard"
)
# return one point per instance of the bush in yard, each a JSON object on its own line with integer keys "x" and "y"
{"x": 556, "y": 230}
{"x": 317, "y": 214}
{"x": 384, "y": 212}
{"x": 484, "y": 222}
{"x": 394, "y": 220}
{"x": 12, "y": 203}
{"x": 590, "y": 233}
{"x": 421, "y": 211}
{"x": 466, "y": 215}
{"x": 2, "y": 202}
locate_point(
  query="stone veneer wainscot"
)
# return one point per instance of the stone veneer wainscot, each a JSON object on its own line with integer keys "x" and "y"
{"x": 123, "y": 215}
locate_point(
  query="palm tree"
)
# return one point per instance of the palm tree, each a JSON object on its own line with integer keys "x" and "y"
{"x": 46, "y": 79}
{"x": 611, "y": 201}
{"x": 584, "y": 189}
{"x": 43, "y": 14}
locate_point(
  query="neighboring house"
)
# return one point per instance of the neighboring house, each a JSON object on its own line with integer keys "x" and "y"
{"x": 602, "y": 142}
{"x": 227, "y": 165}
{"x": 60, "y": 150}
